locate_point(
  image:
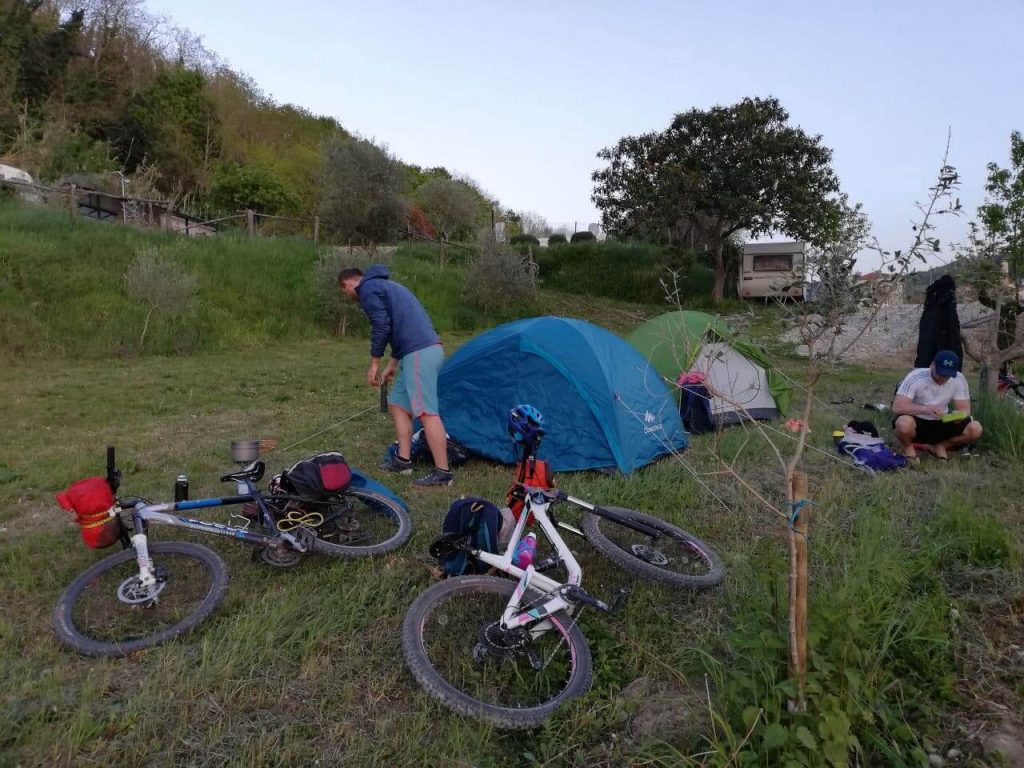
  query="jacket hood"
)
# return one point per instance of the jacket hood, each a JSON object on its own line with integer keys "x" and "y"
{"x": 376, "y": 270}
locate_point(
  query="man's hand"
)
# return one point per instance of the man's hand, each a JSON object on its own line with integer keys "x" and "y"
{"x": 371, "y": 373}
{"x": 933, "y": 410}
{"x": 389, "y": 371}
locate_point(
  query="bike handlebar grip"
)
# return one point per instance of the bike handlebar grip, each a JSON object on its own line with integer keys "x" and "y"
{"x": 384, "y": 397}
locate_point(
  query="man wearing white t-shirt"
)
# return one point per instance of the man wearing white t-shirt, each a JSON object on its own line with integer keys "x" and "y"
{"x": 921, "y": 408}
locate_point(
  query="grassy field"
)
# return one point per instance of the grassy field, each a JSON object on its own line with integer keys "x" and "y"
{"x": 917, "y": 587}
{"x": 916, "y": 594}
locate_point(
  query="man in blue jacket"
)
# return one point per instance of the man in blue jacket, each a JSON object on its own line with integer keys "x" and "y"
{"x": 398, "y": 319}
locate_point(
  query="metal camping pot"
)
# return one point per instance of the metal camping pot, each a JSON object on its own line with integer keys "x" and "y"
{"x": 245, "y": 451}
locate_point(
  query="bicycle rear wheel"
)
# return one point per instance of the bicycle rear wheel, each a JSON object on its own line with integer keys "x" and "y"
{"x": 675, "y": 557}
{"x": 105, "y": 611}
{"x": 363, "y": 524}
{"x": 458, "y": 653}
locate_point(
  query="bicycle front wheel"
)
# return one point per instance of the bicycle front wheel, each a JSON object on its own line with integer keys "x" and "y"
{"x": 106, "y": 611}
{"x": 456, "y": 650}
{"x": 361, "y": 524}
{"x": 672, "y": 557}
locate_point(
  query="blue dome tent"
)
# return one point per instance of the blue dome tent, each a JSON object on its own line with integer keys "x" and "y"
{"x": 604, "y": 406}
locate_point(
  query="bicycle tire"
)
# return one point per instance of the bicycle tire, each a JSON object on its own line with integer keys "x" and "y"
{"x": 74, "y": 637}
{"x": 383, "y": 505}
{"x": 607, "y": 546}
{"x": 437, "y": 685}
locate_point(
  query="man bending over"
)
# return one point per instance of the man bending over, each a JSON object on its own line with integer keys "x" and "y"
{"x": 921, "y": 408}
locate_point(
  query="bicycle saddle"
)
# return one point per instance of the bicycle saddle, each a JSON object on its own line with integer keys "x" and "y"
{"x": 251, "y": 472}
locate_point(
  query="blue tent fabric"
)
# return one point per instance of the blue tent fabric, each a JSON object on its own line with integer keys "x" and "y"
{"x": 604, "y": 406}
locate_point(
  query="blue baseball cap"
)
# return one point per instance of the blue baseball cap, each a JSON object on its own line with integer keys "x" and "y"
{"x": 947, "y": 363}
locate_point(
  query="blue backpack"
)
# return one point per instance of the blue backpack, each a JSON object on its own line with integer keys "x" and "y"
{"x": 479, "y": 521}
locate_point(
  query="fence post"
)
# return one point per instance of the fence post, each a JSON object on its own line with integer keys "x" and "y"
{"x": 250, "y": 221}
{"x": 316, "y": 231}
{"x": 73, "y": 200}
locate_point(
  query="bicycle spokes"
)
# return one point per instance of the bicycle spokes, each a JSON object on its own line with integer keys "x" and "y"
{"x": 117, "y": 607}
{"x": 514, "y": 668}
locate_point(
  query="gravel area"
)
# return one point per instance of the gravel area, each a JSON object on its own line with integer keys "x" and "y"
{"x": 892, "y": 335}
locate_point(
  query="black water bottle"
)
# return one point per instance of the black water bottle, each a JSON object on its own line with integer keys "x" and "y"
{"x": 181, "y": 488}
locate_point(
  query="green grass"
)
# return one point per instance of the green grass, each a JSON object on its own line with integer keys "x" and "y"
{"x": 62, "y": 290}
{"x": 305, "y": 664}
{"x": 1003, "y": 421}
{"x": 916, "y": 581}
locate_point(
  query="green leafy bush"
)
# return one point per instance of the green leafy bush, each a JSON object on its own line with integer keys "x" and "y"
{"x": 557, "y": 240}
{"x": 583, "y": 237}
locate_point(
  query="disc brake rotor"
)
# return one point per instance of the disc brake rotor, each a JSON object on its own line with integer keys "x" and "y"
{"x": 649, "y": 554}
{"x": 133, "y": 592}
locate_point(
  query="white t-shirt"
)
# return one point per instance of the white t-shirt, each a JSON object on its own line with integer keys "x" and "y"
{"x": 922, "y": 389}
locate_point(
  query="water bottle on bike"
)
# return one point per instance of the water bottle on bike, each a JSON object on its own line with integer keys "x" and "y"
{"x": 526, "y": 552}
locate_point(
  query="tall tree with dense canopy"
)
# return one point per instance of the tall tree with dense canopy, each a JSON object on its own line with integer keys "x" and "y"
{"x": 362, "y": 186}
{"x": 713, "y": 173}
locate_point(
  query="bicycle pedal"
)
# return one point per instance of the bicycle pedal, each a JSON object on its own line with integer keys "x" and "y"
{"x": 618, "y": 602}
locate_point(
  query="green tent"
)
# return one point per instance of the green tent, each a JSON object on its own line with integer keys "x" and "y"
{"x": 683, "y": 341}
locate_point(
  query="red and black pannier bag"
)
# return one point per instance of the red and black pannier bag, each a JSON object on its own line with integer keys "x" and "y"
{"x": 92, "y": 501}
{"x": 533, "y": 473}
{"x": 318, "y": 476}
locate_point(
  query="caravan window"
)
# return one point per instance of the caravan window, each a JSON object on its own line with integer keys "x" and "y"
{"x": 781, "y": 262}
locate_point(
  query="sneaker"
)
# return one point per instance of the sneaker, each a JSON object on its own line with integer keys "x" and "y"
{"x": 435, "y": 477}
{"x": 395, "y": 464}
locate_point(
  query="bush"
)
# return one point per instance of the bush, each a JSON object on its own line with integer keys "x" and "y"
{"x": 500, "y": 277}
{"x": 583, "y": 237}
{"x": 164, "y": 285}
{"x": 557, "y": 240}
{"x": 338, "y": 312}
{"x": 524, "y": 240}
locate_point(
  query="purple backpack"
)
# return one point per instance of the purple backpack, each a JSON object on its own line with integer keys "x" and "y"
{"x": 868, "y": 452}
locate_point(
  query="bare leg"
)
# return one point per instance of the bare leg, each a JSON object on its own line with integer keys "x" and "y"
{"x": 433, "y": 427}
{"x": 906, "y": 429}
{"x": 403, "y": 431}
{"x": 970, "y": 435}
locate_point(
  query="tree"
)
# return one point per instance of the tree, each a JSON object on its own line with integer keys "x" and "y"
{"x": 236, "y": 187}
{"x": 994, "y": 261}
{"x": 714, "y": 173}
{"x": 451, "y": 207}
{"x": 362, "y": 192}
{"x": 173, "y": 125}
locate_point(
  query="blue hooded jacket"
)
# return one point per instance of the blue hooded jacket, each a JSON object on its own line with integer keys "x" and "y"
{"x": 396, "y": 315}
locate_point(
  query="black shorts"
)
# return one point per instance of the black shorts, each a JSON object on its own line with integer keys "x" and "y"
{"x": 934, "y": 431}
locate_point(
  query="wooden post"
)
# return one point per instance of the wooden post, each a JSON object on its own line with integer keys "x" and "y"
{"x": 73, "y": 200}
{"x": 798, "y": 587}
{"x": 250, "y": 221}
{"x": 316, "y": 231}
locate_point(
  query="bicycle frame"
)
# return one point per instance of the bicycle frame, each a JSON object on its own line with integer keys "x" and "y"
{"x": 143, "y": 514}
{"x": 513, "y": 616}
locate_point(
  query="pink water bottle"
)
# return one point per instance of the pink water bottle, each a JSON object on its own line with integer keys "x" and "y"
{"x": 526, "y": 551}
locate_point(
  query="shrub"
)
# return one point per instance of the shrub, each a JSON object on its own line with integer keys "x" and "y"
{"x": 583, "y": 237}
{"x": 338, "y": 311}
{"x": 524, "y": 240}
{"x": 557, "y": 240}
{"x": 499, "y": 277}
{"x": 164, "y": 285}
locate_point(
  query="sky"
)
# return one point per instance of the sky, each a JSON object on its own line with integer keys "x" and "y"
{"x": 521, "y": 96}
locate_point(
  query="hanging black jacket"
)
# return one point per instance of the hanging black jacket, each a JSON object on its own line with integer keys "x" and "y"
{"x": 940, "y": 324}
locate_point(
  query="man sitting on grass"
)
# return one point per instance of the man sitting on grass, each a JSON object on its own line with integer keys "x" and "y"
{"x": 920, "y": 409}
